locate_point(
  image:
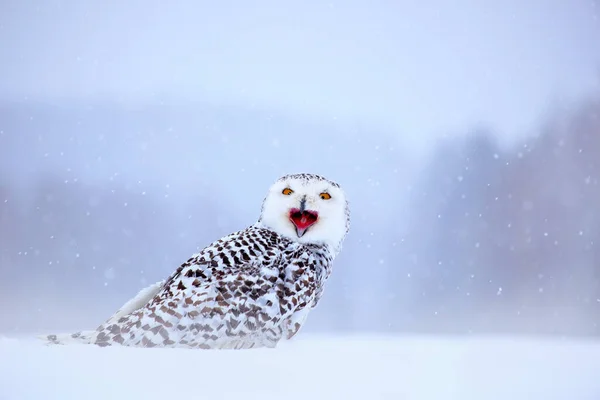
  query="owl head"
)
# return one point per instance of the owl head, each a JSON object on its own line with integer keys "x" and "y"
{"x": 307, "y": 208}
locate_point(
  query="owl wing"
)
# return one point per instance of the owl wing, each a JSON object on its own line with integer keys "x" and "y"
{"x": 202, "y": 303}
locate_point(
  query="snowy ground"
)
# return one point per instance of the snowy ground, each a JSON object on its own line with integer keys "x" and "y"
{"x": 309, "y": 368}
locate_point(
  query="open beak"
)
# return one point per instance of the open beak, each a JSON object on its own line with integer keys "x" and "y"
{"x": 303, "y": 219}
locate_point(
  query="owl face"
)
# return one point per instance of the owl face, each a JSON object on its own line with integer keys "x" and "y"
{"x": 308, "y": 209}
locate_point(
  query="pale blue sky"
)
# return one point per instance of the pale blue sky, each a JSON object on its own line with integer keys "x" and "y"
{"x": 415, "y": 69}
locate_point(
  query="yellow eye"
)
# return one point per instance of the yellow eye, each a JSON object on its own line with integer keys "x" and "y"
{"x": 325, "y": 196}
{"x": 287, "y": 191}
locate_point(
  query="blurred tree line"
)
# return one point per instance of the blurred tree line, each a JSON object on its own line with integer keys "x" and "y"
{"x": 506, "y": 240}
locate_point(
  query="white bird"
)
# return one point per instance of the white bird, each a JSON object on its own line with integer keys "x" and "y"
{"x": 249, "y": 289}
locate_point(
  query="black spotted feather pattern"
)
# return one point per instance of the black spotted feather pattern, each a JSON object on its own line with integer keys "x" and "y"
{"x": 249, "y": 289}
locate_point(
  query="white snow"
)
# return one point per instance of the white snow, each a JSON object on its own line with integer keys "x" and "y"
{"x": 311, "y": 367}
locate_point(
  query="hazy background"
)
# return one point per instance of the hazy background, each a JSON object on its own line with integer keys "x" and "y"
{"x": 466, "y": 133}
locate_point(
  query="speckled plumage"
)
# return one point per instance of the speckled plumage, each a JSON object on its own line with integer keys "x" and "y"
{"x": 249, "y": 289}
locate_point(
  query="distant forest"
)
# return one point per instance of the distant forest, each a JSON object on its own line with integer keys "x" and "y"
{"x": 509, "y": 240}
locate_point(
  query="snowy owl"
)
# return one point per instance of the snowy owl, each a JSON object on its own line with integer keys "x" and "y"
{"x": 249, "y": 289}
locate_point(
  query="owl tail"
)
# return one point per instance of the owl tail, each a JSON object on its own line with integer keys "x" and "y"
{"x": 86, "y": 337}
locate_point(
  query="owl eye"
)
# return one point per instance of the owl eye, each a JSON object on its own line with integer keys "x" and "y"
{"x": 325, "y": 196}
{"x": 287, "y": 191}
